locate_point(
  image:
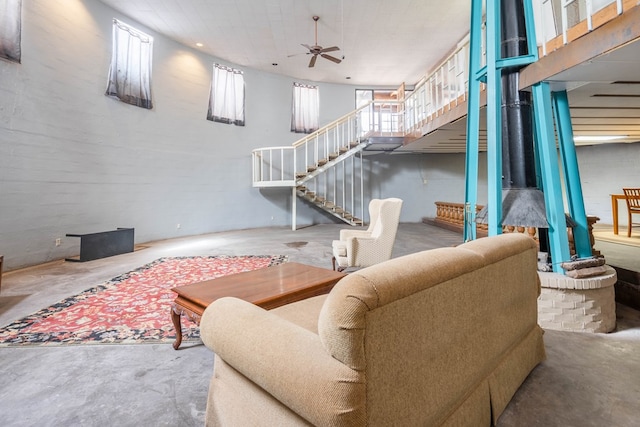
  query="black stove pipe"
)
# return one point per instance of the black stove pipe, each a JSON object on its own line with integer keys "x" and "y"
{"x": 522, "y": 201}
{"x": 518, "y": 161}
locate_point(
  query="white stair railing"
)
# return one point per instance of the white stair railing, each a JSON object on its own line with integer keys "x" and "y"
{"x": 278, "y": 166}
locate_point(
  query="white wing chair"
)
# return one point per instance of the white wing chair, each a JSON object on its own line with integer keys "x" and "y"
{"x": 362, "y": 248}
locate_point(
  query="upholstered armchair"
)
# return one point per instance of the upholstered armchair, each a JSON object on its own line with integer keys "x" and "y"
{"x": 363, "y": 248}
{"x": 632, "y": 196}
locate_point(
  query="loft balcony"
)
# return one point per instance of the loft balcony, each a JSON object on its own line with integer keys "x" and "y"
{"x": 590, "y": 48}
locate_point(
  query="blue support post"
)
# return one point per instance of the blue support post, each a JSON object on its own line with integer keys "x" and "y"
{"x": 473, "y": 122}
{"x": 532, "y": 44}
{"x": 494, "y": 120}
{"x": 549, "y": 166}
{"x": 571, "y": 173}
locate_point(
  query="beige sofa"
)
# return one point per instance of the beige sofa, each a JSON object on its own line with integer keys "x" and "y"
{"x": 441, "y": 337}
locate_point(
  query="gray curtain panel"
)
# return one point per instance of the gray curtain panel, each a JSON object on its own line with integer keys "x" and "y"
{"x": 226, "y": 97}
{"x": 130, "y": 70}
{"x": 10, "y": 29}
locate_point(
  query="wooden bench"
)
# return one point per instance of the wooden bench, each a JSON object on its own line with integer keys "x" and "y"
{"x": 104, "y": 244}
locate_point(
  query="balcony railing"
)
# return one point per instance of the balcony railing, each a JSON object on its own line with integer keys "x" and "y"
{"x": 558, "y": 22}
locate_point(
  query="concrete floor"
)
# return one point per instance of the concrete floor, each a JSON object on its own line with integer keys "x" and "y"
{"x": 587, "y": 379}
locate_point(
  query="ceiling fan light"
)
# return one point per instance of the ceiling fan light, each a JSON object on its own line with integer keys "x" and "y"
{"x": 316, "y": 49}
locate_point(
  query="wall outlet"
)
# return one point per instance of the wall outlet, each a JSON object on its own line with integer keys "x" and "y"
{"x": 58, "y": 241}
{"x": 177, "y": 226}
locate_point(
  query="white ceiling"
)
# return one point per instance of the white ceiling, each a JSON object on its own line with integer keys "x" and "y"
{"x": 384, "y": 42}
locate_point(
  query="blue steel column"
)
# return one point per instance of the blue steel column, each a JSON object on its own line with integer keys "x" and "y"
{"x": 543, "y": 118}
{"x": 494, "y": 120}
{"x": 571, "y": 173}
{"x": 473, "y": 122}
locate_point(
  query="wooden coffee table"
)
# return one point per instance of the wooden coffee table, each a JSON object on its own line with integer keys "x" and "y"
{"x": 268, "y": 288}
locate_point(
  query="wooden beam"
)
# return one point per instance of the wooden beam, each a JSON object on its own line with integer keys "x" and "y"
{"x": 616, "y": 33}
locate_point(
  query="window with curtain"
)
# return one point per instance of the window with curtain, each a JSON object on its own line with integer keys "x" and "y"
{"x": 130, "y": 70}
{"x": 10, "y": 29}
{"x": 226, "y": 98}
{"x": 305, "y": 108}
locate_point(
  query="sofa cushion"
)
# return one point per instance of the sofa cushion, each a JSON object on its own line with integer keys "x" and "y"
{"x": 342, "y": 320}
{"x": 303, "y": 313}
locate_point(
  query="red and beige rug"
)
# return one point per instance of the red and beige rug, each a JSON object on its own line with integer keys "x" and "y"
{"x": 131, "y": 308}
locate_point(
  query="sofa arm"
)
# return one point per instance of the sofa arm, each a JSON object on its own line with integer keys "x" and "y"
{"x": 286, "y": 360}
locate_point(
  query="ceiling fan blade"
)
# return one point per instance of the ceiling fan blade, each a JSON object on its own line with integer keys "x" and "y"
{"x": 330, "y": 49}
{"x": 313, "y": 61}
{"x": 306, "y": 45}
{"x": 331, "y": 58}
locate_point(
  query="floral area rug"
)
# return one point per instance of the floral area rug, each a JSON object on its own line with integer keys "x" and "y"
{"x": 132, "y": 308}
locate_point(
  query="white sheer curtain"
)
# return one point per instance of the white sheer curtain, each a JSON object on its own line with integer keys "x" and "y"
{"x": 10, "y": 29}
{"x": 226, "y": 98}
{"x": 130, "y": 70}
{"x": 305, "y": 108}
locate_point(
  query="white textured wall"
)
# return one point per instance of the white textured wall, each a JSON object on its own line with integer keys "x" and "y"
{"x": 423, "y": 179}
{"x": 605, "y": 170}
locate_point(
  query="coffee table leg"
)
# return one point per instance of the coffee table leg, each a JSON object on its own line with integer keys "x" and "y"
{"x": 175, "y": 317}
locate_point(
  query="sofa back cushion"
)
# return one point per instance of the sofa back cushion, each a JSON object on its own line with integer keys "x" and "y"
{"x": 343, "y": 319}
{"x": 429, "y": 327}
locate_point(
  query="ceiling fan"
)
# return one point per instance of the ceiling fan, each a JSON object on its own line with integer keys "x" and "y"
{"x": 316, "y": 50}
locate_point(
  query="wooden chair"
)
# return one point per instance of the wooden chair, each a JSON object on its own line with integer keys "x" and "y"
{"x": 633, "y": 206}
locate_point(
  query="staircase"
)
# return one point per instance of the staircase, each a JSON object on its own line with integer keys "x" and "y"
{"x": 326, "y": 168}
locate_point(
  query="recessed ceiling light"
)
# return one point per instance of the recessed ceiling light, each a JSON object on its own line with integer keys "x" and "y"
{"x": 592, "y": 138}
{"x": 348, "y": 78}
{"x": 199, "y": 44}
{"x": 274, "y": 64}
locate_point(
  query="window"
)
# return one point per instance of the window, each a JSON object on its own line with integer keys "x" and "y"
{"x": 380, "y": 116}
{"x": 130, "y": 70}
{"x": 10, "y": 29}
{"x": 226, "y": 100}
{"x": 304, "y": 108}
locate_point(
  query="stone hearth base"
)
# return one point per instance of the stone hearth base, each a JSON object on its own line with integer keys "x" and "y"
{"x": 578, "y": 305}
